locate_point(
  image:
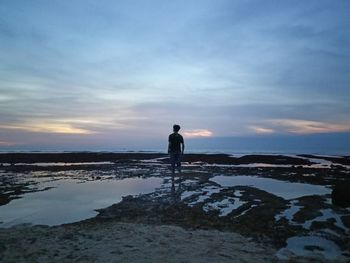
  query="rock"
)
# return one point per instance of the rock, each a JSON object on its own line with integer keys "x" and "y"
{"x": 341, "y": 195}
{"x": 346, "y": 220}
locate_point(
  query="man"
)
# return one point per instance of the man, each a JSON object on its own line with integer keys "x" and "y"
{"x": 176, "y": 148}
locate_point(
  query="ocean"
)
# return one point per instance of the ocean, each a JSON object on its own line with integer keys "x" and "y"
{"x": 321, "y": 144}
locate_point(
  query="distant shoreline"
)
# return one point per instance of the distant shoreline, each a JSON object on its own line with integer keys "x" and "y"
{"x": 215, "y": 158}
{"x": 235, "y": 152}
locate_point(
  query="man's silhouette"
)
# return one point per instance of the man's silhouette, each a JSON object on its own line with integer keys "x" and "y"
{"x": 176, "y": 148}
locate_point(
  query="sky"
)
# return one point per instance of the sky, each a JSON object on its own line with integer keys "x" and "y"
{"x": 86, "y": 73}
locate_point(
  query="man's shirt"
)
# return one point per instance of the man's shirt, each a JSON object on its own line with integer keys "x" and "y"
{"x": 175, "y": 141}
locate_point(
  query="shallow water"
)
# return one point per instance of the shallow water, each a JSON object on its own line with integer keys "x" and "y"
{"x": 286, "y": 190}
{"x": 71, "y": 200}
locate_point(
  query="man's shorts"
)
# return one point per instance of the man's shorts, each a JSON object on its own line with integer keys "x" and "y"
{"x": 175, "y": 159}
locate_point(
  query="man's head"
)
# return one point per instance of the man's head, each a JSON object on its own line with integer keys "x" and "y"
{"x": 176, "y": 128}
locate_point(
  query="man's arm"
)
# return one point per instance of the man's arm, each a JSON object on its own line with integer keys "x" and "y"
{"x": 182, "y": 145}
{"x": 169, "y": 144}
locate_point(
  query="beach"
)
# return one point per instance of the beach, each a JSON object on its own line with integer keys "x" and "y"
{"x": 129, "y": 207}
{"x": 111, "y": 241}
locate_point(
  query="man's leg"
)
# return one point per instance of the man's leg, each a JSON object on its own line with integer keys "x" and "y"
{"x": 172, "y": 161}
{"x": 178, "y": 161}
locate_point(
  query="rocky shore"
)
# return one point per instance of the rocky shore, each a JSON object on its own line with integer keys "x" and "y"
{"x": 220, "y": 208}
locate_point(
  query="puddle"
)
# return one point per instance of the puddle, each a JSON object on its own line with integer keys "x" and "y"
{"x": 289, "y": 212}
{"x": 286, "y": 190}
{"x": 326, "y": 215}
{"x": 71, "y": 200}
{"x": 320, "y": 244}
{"x": 201, "y": 195}
{"x": 225, "y": 206}
{"x": 308, "y": 246}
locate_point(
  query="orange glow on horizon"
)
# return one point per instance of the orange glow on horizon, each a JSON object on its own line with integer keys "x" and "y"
{"x": 197, "y": 133}
{"x": 4, "y": 143}
{"x": 262, "y": 130}
{"x": 49, "y": 128}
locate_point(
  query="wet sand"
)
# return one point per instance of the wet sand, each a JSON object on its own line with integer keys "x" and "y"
{"x": 199, "y": 215}
{"x": 110, "y": 241}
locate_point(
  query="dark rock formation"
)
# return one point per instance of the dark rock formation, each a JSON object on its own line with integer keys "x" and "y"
{"x": 341, "y": 195}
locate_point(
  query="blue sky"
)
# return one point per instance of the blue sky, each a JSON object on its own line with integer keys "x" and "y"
{"x": 121, "y": 72}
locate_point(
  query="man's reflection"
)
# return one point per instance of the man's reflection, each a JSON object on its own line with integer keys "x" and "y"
{"x": 175, "y": 193}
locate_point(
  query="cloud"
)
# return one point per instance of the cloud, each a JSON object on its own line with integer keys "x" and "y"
{"x": 48, "y": 127}
{"x": 6, "y": 143}
{"x": 262, "y": 130}
{"x": 197, "y": 133}
{"x": 308, "y": 126}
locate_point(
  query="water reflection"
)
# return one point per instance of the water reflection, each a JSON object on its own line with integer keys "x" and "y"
{"x": 286, "y": 190}
{"x": 71, "y": 200}
{"x": 176, "y": 191}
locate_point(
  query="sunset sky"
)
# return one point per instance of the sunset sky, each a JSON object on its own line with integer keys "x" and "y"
{"x": 121, "y": 73}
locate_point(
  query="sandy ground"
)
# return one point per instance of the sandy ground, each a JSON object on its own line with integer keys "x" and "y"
{"x": 124, "y": 242}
